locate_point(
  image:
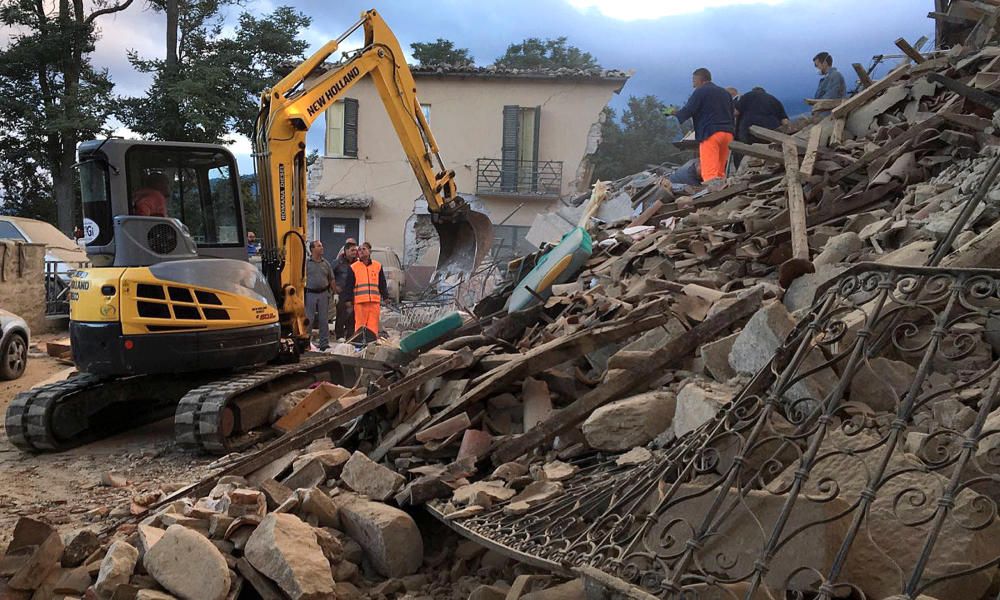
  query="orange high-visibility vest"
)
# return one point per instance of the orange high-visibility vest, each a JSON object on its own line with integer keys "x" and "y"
{"x": 366, "y": 281}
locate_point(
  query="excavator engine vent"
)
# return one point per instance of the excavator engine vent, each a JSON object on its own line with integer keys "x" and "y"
{"x": 175, "y": 302}
{"x": 162, "y": 239}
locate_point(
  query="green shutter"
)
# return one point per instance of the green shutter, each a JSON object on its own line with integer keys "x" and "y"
{"x": 534, "y": 163}
{"x": 509, "y": 147}
{"x": 350, "y": 127}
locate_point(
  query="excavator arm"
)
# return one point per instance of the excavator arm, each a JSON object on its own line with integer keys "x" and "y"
{"x": 293, "y": 105}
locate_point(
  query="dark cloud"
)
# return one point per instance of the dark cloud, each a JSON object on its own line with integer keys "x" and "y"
{"x": 744, "y": 46}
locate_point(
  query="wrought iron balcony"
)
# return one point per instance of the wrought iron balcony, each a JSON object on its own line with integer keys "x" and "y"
{"x": 498, "y": 177}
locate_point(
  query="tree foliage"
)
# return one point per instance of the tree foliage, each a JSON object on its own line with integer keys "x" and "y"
{"x": 536, "y": 53}
{"x": 214, "y": 87}
{"x": 51, "y": 97}
{"x": 440, "y": 52}
{"x": 643, "y": 137}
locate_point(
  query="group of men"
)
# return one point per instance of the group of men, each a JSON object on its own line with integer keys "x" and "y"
{"x": 359, "y": 284}
{"x": 721, "y": 115}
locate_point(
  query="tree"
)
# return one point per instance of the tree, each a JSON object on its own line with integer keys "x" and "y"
{"x": 51, "y": 98}
{"x": 209, "y": 84}
{"x": 535, "y": 53}
{"x": 644, "y": 137}
{"x": 440, "y": 52}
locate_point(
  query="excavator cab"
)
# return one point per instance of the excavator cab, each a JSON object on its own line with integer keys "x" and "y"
{"x": 171, "y": 288}
{"x": 150, "y": 202}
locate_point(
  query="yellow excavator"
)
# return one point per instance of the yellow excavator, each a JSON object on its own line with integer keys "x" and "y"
{"x": 172, "y": 316}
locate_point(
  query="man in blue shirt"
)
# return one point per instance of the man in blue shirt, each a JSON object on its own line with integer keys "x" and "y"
{"x": 831, "y": 85}
{"x": 711, "y": 108}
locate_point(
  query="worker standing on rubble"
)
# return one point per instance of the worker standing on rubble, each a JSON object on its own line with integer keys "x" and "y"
{"x": 832, "y": 85}
{"x": 319, "y": 285}
{"x": 711, "y": 108}
{"x": 344, "y": 323}
{"x": 757, "y": 107}
{"x": 368, "y": 284}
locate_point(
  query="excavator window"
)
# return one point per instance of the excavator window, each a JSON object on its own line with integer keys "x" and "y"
{"x": 95, "y": 191}
{"x": 198, "y": 187}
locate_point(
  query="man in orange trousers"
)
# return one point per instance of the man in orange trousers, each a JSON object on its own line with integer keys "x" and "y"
{"x": 711, "y": 108}
{"x": 367, "y": 284}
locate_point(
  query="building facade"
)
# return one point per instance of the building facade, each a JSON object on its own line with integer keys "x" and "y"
{"x": 517, "y": 141}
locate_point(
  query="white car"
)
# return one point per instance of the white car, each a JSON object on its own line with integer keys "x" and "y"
{"x": 14, "y": 337}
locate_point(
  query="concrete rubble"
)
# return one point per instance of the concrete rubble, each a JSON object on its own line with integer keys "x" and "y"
{"x": 681, "y": 304}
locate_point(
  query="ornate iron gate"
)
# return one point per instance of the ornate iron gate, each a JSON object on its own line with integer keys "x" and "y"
{"x": 863, "y": 461}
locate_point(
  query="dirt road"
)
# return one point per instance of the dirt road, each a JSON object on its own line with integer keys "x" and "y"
{"x": 65, "y": 489}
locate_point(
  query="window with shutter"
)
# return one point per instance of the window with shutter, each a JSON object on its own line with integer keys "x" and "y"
{"x": 351, "y": 127}
{"x": 335, "y": 130}
{"x": 509, "y": 148}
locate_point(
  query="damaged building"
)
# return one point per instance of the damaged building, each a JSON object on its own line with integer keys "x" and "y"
{"x": 535, "y": 130}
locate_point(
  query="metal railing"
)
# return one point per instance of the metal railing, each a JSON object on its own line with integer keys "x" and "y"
{"x": 542, "y": 178}
{"x": 57, "y": 275}
{"x": 823, "y": 477}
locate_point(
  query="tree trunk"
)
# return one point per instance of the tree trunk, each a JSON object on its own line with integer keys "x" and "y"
{"x": 171, "y": 72}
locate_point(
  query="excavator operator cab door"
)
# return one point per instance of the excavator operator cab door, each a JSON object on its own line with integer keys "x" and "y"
{"x": 148, "y": 202}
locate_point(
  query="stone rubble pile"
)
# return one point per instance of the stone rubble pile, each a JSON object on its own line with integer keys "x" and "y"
{"x": 688, "y": 293}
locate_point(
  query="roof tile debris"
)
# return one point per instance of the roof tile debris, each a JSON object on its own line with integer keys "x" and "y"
{"x": 829, "y": 429}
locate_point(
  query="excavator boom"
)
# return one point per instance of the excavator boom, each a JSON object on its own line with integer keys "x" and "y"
{"x": 293, "y": 105}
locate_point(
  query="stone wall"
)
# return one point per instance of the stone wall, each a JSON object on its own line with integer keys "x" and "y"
{"x": 22, "y": 282}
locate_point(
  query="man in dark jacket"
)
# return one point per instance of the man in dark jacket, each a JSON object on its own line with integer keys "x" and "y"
{"x": 757, "y": 107}
{"x": 344, "y": 325}
{"x": 711, "y": 108}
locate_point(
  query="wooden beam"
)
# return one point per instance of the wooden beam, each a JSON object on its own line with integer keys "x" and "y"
{"x": 760, "y": 151}
{"x": 300, "y": 438}
{"x": 776, "y": 137}
{"x": 620, "y": 382}
{"x": 859, "y": 99}
{"x": 910, "y": 51}
{"x": 888, "y": 147}
{"x": 837, "y": 135}
{"x": 796, "y": 203}
{"x": 862, "y": 75}
{"x": 812, "y": 148}
{"x": 984, "y": 99}
{"x": 560, "y": 350}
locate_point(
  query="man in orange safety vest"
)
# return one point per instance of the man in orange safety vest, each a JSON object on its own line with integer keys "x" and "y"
{"x": 367, "y": 284}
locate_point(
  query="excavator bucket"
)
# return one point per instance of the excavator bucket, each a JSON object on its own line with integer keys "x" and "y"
{"x": 465, "y": 239}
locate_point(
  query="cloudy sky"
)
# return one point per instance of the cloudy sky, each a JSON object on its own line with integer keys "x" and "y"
{"x": 744, "y": 42}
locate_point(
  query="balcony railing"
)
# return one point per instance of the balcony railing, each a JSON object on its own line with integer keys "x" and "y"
{"x": 495, "y": 176}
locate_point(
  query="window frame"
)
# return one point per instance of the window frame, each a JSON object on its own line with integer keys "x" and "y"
{"x": 233, "y": 182}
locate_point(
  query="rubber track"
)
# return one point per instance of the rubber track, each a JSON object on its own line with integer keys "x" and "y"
{"x": 28, "y": 415}
{"x": 196, "y": 422}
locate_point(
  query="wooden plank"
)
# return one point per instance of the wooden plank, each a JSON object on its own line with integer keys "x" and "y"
{"x": 837, "y": 135}
{"x": 857, "y": 100}
{"x": 558, "y": 351}
{"x": 812, "y": 148}
{"x": 318, "y": 398}
{"x": 978, "y": 96}
{"x": 620, "y": 382}
{"x": 401, "y": 432}
{"x": 825, "y": 104}
{"x": 893, "y": 144}
{"x": 760, "y": 151}
{"x": 910, "y": 51}
{"x": 776, "y": 137}
{"x": 862, "y": 75}
{"x": 796, "y": 203}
